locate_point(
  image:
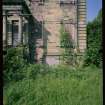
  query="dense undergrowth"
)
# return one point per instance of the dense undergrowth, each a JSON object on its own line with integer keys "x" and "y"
{"x": 36, "y": 84}
{"x": 57, "y": 85}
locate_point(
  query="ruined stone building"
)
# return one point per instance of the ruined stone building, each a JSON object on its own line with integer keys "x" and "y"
{"x": 38, "y": 23}
{"x": 17, "y": 25}
{"x": 51, "y": 14}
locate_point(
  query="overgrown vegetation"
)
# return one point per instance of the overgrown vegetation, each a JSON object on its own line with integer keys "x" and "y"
{"x": 59, "y": 85}
{"x": 36, "y": 84}
{"x": 94, "y": 41}
{"x": 13, "y": 64}
{"x": 67, "y": 46}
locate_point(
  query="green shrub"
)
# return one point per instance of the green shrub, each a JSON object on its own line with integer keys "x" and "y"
{"x": 67, "y": 46}
{"x": 17, "y": 68}
{"x": 33, "y": 70}
{"x": 94, "y": 41}
{"x": 13, "y": 64}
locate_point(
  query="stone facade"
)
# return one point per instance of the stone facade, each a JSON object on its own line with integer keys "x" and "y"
{"x": 15, "y": 24}
{"x": 50, "y": 13}
{"x": 81, "y": 11}
{"x": 18, "y": 24}
{"x": 38, "y": 23}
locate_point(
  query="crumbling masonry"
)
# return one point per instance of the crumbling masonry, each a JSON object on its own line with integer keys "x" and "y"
{"x": 51, "y": 14}
{"x": 37, "y": 23}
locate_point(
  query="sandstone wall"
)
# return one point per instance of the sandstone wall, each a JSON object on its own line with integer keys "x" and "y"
{"x": 50, "y": 13}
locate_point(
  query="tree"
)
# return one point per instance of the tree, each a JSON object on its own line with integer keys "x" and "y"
{"x": 94, "y": 41}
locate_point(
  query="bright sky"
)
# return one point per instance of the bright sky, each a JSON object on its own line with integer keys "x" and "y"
{"x": 93, "y": 6}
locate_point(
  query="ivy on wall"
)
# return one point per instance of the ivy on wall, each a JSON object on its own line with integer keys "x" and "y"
{"x": 66, "y": 46}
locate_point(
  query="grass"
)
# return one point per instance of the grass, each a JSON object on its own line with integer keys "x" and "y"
{"x": 60, "y": 85}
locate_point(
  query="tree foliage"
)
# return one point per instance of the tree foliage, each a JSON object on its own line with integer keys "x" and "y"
{"x": 94, "y": 41}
